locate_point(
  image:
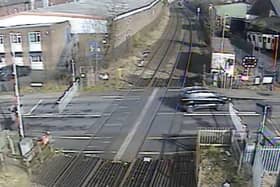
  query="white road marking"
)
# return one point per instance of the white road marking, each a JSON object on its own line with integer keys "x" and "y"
{"x": 63, "y": 116}
{"x": 135, "y": 127}
{"x": 165, "y": 153}
{"x": 34, "y": 107}
{"x": 221, "y": 114}
{"x": 85, "y": 152}
{"x": 113, "y": 124}
{"x": 168, "y": 137}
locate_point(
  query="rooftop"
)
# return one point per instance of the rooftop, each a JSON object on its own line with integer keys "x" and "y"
{"x": 99, "y": 8}
{"x": 12, "y": 2}
{"x": 266, "y": 24}
{"x": 236, "y": 10}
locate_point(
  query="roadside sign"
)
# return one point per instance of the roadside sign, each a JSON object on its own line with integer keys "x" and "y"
{"x": 223, "y": 62}
{"x": 249, "y": 62}
{"x": 267, "y": 80}
{"x": 94, "y": 49}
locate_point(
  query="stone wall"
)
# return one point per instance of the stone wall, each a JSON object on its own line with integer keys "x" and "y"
{"x": 124, "y": 29}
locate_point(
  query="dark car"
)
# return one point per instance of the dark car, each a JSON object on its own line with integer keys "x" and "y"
{"x": 201, "y": 100}
{"x": 7, "y": 73}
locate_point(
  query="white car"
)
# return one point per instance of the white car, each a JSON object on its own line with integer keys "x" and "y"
{"x": 103, "y": 76}
{"x": 140, "y": 63}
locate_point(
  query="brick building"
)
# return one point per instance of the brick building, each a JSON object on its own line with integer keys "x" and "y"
{"x": 50, "y": 38}
{"x": 8, "y": 7}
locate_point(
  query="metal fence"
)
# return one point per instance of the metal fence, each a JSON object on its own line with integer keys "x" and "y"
{"x": 215, "y": 136}
{"x": 266, "y": 162}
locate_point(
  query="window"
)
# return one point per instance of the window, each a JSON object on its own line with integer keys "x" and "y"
{"x": 1, "y": 39}
{"x": 15, "y": 37}
{"x": 34, "y": 37}
{"x": 268, "y": 40}
{"x": 36, "y": 58}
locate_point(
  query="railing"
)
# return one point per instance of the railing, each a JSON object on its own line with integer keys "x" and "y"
{"x": 266, "y": 162}
{"x": 215, "y": 136}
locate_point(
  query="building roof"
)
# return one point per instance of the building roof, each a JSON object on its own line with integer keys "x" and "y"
{"x": 85, "y": 16}
{"x": 99, "y": 8}
{"x": 266, "y": 24}
{"x": 4, "y": 3}
{"x": 262, "y": 8}
{"x": 236, "y": 10}
{"x": 276, "y": 6}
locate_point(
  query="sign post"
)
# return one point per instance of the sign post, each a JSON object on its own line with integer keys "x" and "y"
{"x": 95, "y": 50}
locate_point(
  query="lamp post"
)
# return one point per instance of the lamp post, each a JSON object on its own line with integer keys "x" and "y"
{"x": 211, "y": 13}
{"x": 275, "y": 55}
{"x": 264, "y": 108}
{"x": 223, "y": 33}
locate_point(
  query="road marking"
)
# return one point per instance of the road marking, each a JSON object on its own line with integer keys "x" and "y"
{"x": 222, "y": 114}
{"x": 169, "y": 137}
{"x": 165, "y": 153}
{"x": 34, "y": 107}
{"x": 170, "y": 113}
{"x": 73, "y": 137}
{"x": 84, "y": 151}
{"x": 135, "y": 127}
{"x": 113, "y": 124}
{"x": 63, "y": 116}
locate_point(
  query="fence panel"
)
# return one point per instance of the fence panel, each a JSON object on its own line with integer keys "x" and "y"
{"x": 215, "y": 136}
{"x": 270, "y": 157}
{"x": 258, "y": 172}
{"x": 267, "y": 161}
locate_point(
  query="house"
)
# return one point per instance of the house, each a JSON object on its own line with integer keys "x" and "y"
{"x": 8, "y": 7}
{"x": 51, "y": 38}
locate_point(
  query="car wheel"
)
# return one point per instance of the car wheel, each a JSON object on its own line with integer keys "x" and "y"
{"x": 190, "y": 109}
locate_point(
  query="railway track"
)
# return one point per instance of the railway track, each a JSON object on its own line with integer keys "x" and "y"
{"x": 180, "y": 169}
{"x": 160, "y": 53}
{"x": 95, "y": 172}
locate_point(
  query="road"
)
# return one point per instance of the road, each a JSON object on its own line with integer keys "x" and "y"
{"x": 112, "y": 119}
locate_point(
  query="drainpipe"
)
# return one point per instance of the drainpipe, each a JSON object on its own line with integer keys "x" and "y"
{"x": 32, "y": 4}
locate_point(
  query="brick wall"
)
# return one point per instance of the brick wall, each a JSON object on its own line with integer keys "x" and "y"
{"x": 14, "y": 8}
{"x": 125, "y": 28}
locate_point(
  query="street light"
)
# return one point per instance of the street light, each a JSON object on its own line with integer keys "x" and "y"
{"x": 211, "y": 12}
{"x": 223, "y": 33}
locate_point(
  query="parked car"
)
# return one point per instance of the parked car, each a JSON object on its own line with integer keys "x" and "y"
{"x": 203, "y": 99}
{"x": 145, "y": 53}
{"x": 103, "y": 76}
{"x": 140, "y": 63}
{"x": 7, "y": 72}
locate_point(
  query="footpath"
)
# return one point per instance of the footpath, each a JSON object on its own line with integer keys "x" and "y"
{"x": 249, "y": 94}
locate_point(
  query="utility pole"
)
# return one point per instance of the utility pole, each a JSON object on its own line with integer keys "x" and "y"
{"x": 275, "y": 68}
{"x": 223, "y": 34}
{"x": 73, "y": 70}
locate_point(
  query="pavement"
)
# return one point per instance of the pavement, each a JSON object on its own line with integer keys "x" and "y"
{"x": 249, "y": 94}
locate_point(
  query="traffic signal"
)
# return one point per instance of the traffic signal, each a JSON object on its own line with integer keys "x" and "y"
{"x": 249, "y": 62}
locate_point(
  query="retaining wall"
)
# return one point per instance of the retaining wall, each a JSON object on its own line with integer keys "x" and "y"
{"x": 124, "y": 28}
